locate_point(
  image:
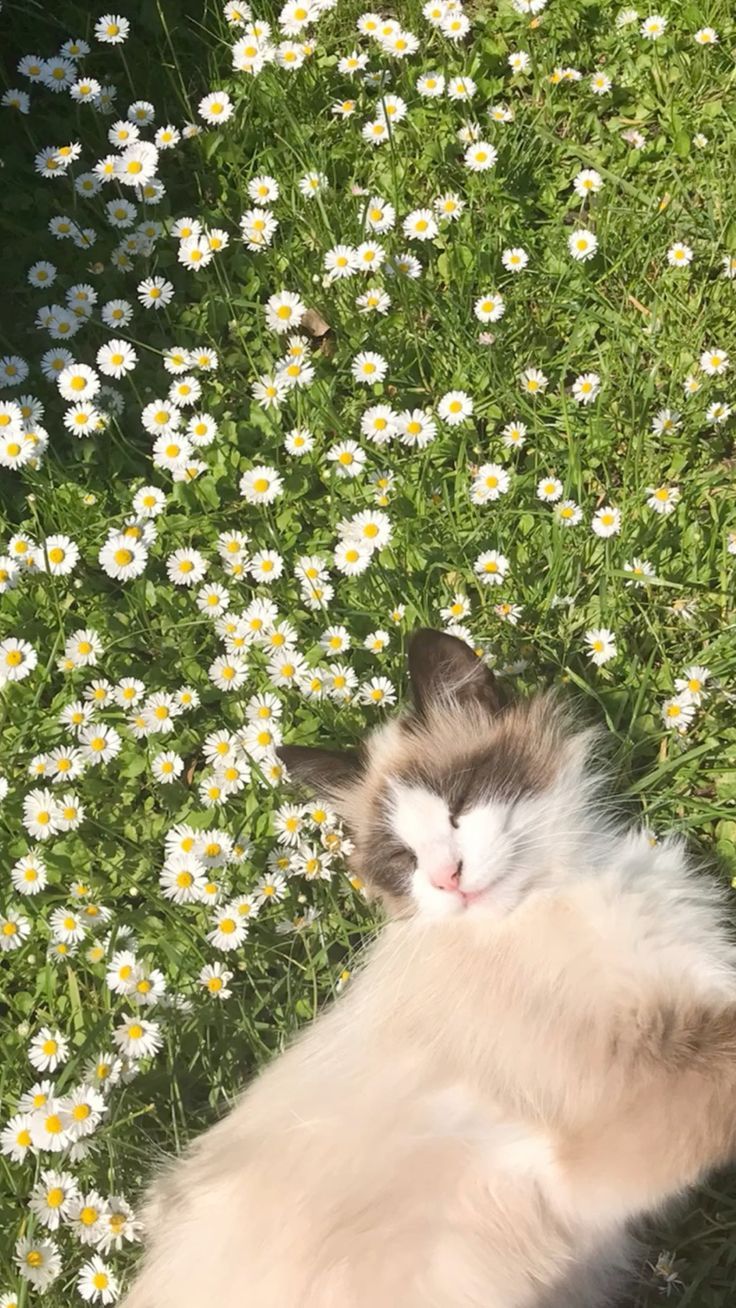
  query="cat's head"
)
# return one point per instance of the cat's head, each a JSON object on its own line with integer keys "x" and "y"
{"x": 463, "y": 802}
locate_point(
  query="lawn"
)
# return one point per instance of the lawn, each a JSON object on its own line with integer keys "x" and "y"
{"x": 318, "y": 324}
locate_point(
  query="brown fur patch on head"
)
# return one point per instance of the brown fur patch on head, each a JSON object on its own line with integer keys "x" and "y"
{"x": 461, "y": 752}
{"x": 460, "y": 740}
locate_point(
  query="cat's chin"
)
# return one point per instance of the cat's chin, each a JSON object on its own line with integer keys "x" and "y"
{"x": 491, "y": 901}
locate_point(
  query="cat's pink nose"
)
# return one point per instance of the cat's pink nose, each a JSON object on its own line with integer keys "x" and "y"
{"x": 447, "y": 877}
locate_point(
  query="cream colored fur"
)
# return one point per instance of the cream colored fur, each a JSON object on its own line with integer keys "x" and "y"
{"x": 475, "y": 1122}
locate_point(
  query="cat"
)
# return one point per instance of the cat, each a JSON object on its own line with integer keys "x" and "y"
{"x": 538, "y": 1050}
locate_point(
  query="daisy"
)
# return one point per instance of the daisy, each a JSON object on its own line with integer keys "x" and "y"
{"x": 368, "y": 368}
{"x": 137, "y": 164}
{"x": 533, "y": 381}
{"x": 167, "y": 767}
{"x": 78, "y": 382}
{"x": 430, "y": 85}
{"x": 678, "y": 713}
{"x": 217, "y": 107}
{"x": 587, "y": 182}
{"x": 228, "y": 672}
{"x": 663, "y": 499}
{"x": 691, "y": 685}
{"x": 51, "y": 1197}
{"x": 167, "y": 137}
{"x": 82, "y": 1111}
{"x": 376, "y": 132}
{"x": 183, "y": 878}
{"x": 116, "y": 359}
{"x": 586, "y": 387}
{"x": 449, "y": 206}
{"x": 515, "y": 259}
{"x": 28, "y": 876}
{"x": 600, "y": 83}
{"x": 377, "y": 691}
{"x": 14, "y": 930}
{"x": 679, "y": 255}
{"x": 48, "y": 1050}
{"x": 379, "y": 215}
{"x": 214, "y": 979}
{"x": 518, "y": 61}
{"x": 416, "y": 428}
{"x": 639, "y": 570}
{"x": 229, "y": 930}
{"x": 568, "y": 513}
{"x": 461, "y": 88}
{"x": 117, "y": 313}
{"x": 195, "y": 252}
{"x": 148, "y": 502}
{"x": 351, "y": 557}
{"x": 186, "y": 567}
{"x": 491, "y": 567}
{"x": 348, "y": 457}
{"x": 96, "y": 1282}
{"x": 582, "y": 244}
{"x": 123, "y": 558}
{"x": 489, "y": 307}
{"x": 99, "y": 743}
{"x": 137, "y": 1038}
{"x": 480, "y": 156}
{"x": 368, "y": 257}
{"x": 379, "y": 424}
{"x": 261, "y": 485}
{"x": 62, "y": 555}
{"x": 84, "y": 647}
{"x": 718, "y": 413}
{"x": 491, "y": 482}
{"x": 344, "y": 108}
{"x": 312, "y": 184}
{"x": 38, "y": 1261}
{"x": 713, "y": 362}
{"x": 16, "y": 1139}
{"x": 454, "y": 407}
{"x": 111, "y": 29}
{"x": 420, "y": 225}
{"x": 155, "y": 293}
{"x": 404, "y": 265}
{"x": 606, "y": 522}
{"x": 666, "y": 421}
{"x": 653, "y": 27}
{"x": 17, "y": 659}
{"x": 601, "y": 644}
{"x": 266, "y": 565}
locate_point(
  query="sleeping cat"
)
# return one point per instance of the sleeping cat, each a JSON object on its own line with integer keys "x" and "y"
{"x": 540, "y": 1048}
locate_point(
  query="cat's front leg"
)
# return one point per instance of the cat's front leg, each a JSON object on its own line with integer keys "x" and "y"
{"x": 670, "y": 1117}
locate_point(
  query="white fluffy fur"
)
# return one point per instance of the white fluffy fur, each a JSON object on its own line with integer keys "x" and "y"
{"x": 423, "y": 1145}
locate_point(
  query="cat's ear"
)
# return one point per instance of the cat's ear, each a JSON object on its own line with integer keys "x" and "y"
{"x": 328, "y": 773}
{"x": 444, "y": 669}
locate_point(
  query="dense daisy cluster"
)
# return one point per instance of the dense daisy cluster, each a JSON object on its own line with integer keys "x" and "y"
{"x": 396, "y": 323}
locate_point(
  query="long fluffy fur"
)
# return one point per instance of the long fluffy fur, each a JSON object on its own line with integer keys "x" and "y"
{"x": 476, "y": 1121}
{"x": 482, "y": 1116}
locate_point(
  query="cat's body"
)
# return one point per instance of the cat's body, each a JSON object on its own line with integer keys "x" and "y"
{"x": 499, "y": 1093}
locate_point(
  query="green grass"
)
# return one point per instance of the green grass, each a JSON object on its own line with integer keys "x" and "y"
{"x": 625, "y": 315}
